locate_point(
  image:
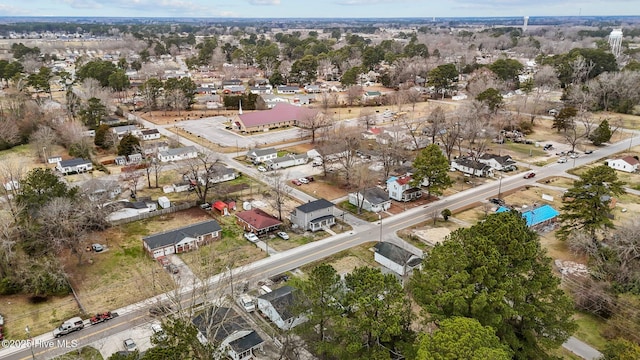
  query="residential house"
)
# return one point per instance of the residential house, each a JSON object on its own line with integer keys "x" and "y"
{"x": 149, "y": 134}
{"x": 258, "y": 156}
{"x": 281, "y": 115}
{"x": 395, "y": 258}
{"x": 312, "y": 89}
{"x": 400, "y": 189}
{"x": 234, "y": 89}
{"x": 371, "y": 133}
{"x": 135, "y": 158}
{"x": 471, "y": 167}
{"x": 287, "y": 161}
{"x": 371, "y": 95}
{"x": 229, "y": 331}
{"x": 257, "y": 221}
{"x": 154, "y": 147}
{"x": 183, "y": 239}
{"x": 120, "y": 160}
{"x": 183, "y": 153}
{"x": 538, "y": 216}
{"x": 277, "y": 307}
{"x": 261, "y": 89}
{"x": 303, "y": 99}
{"x": 76, "y": 165}
{"x": 499, "y": 163}
{"x": 100, "y": 190}
{"x": 269, "y": 101}
{"x": 627, "y": 164}
{"x": 372, "y": 199}
{"x": 313, "y": 215}
{"x": 219, "y": 173}
{"x": 121, "y": 131}
{"x": 288, "y": 89}
{"x": 231, "y": 82}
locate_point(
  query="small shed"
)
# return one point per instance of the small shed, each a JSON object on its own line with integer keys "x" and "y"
{"x": 222, "y": 207}
{"x": 164, "y": 202}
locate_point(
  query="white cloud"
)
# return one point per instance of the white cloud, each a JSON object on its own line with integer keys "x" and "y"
{"x": 264, "y": 2}
{"x": 12, "y": 10}
{"x": 83, "y": 4}
{"x": 370, "y": 2}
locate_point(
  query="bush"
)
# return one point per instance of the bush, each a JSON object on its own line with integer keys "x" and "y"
{"x": 8, "y": 286}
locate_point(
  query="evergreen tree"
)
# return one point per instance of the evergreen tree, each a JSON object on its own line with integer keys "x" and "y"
{"x": 601, "y": 134}
{"x": 129, "y": 144}
{"x": 432, "y": 165}
{"x": 497, "y": 273}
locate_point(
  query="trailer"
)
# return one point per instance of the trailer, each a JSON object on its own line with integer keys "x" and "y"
{"x": 102, "y": 317}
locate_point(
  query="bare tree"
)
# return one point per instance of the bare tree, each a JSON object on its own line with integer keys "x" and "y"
{"x": 581, "y": 68}
{"x": 573, "y": 135}
{"x": 354, "y": 93}
{"x": 131, "y": 175}
{"x": 437, "y": 121}
{"x": 363, "y": 179}
{"x": 367, "y": 117}
{"x": 42, "y": 139}
{"x": 412, "y": 127}
{"x": 327, "y": 100}
{"x": 279, "y": 191}
{"x": 413, "y": 96}
{"x": 202, "y": 171}
{"x": 348, "y": 142}
{"x": 11, "y": 173}
{"x": 313, "y": 122}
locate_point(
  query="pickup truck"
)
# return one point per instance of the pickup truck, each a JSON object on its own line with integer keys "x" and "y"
{"x": 69, "y": 326}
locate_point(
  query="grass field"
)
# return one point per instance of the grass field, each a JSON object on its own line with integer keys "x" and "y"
{"x": 84, "y": 353}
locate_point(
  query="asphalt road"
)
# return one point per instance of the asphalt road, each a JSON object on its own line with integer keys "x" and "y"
{"x": 362, "y": 232}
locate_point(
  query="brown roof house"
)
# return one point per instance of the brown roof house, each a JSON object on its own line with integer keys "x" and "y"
{"x": 281, "y": 115}
{"x": 257, "y": 221}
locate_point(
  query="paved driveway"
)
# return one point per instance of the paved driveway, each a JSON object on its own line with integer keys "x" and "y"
{"x": 109, "y": 345}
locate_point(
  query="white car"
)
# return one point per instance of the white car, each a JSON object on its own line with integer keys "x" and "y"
{"x": 562, "y": 160}
{"x": 158, "y": 332}
{"x": 130, "y": 345}
{"x": 283, "y": 235}
{"x": 262, "y": 169}
{"x": 251, "y": 237}
{"x": 303, "y": 180}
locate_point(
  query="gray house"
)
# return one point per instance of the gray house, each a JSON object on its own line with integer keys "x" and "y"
{"x": 182, "y": 240}
{"x": 276, "y": 306}
{"x": 287, "y": 161}
{"x": 497, "y": 162}
{"x": 261, "y": 155}
{"x": 76, "y": 165}
{"x": 224, "y": 326}
{"x": 313, "y": 215}
{"x": 372, "y": 199}
{"x": 395, "y": 258}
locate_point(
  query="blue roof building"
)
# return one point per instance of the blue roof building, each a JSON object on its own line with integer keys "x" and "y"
{"x": 536, "y": 216}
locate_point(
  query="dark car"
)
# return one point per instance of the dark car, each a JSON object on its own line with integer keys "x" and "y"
{"x": 588, "y": 152}
{"x": 529, "y": 175}
{"x": 173, "y": 269}
{"x": 309, "y": 178}
{"x": 279, "y": 278}
{"x": 496, "y": 201}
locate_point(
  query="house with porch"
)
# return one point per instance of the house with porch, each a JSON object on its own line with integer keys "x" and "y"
{"x": 400, "y": 189}
{"x": 149, "y": 134}
{"x": 372, "y": 199}
{"x": 277, "y": 307}
{"x": 314, "y": 215}
{"x": 121, "y": 131}
{"x": 497, "y": 162}
{"x": 287, "y": 161}
{"x": 257, "y": 221}
{"x": 183, "y": 239}
{"x": 229, "y": 331}
{"x": 471, "y": 167}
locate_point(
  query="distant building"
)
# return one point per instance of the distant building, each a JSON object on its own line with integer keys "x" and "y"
{"x": 183, "y": 153}
{"x": 627, "y": 164}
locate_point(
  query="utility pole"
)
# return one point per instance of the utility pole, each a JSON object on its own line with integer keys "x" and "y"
{"x": 28, "y": 331}
{"x": 500, "y": 187}
{"x": 380, "y": 219}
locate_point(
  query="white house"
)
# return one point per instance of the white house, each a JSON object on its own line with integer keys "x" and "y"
{"x": 627, "y": 164}
{"x": 182, "y": 239}
{"x": 183, "y": 153}
{"x": 149, "y": 134}
{"x": 288, "y": 89}
{"x": 155, "y": 147}
{"x": 121, "y": 131}
{"x": 264, "y": 89}
{"x": 76, "y": 165}
{"x": 277, "y": 306}
{"x": 395, "y": 258}
{"x": 371, "y": 95}
{"x": 261, "y": 155}
{"x": 472, "y": 167}
{"x": 373, "y": 199}
{"x": 219, "y": 173}
{"x": 287, "y": 161}
{"x": 499, "y": 163}
{"x": 54, "y": 159}
{"x": 400, "y": 189}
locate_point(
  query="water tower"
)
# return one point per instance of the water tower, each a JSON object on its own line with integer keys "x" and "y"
{"x": 526, "y": 22}
{"x": 615, "y": 41}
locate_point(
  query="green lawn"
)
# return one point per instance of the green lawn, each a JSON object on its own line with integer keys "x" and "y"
{"x": 364, "y": 215}
{"x": 589, "y": 327}
{"x": 525, "y": 150}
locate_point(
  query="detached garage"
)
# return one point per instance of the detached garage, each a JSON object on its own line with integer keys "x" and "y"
{"x": 182, "y": 240}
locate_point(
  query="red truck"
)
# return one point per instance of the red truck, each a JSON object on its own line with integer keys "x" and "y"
{"x": 101, "y": 317}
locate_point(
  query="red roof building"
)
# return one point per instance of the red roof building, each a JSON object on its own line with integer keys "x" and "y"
{"x": 257, "y": 221}
{"x": 281, "y": 115}
{"x": 222, "y": 207}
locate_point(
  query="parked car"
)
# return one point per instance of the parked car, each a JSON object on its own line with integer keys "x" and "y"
{"x": 529, "y": 175}
{"x": 158, "y": 332}
{"x": 497, "y": 201}
{"x": 130, "y": 345}
{"x": 296, "y": 182}
{"x": 588, "y": 152}
{"x": 303, "y": 180}
{"x": 562, "y": 160}
{"x": 205, "y": 206}
{"x": 97, "y": 247}
{"x": 283, "y": 235}
{"x": 173, "y": 269}
{"x": 251, "y": 237}
{"x": 310, "y": 178}
{"x": 573, "y": 155}
{"x": 548, "y": 147}
{"x": 279, "y": 278}
{"x": 262, "y": 169}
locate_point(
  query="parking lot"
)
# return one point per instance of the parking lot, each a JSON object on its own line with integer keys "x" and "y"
{"x": 141, "y": 335}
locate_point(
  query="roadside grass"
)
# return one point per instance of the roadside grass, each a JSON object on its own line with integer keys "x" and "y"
{"x": 558, "y": 181}
{"x": 347, "y": 260}
{"x": 83, "y": 353}
{"x": 589, "y": 327}
{"x": 41, "y": 317}
{"x": 524, "y": 150}
{"x": 353, "y": 209}
{"x": 564, "y": 354}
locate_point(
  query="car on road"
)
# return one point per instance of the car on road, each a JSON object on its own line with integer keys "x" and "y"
{"x": 573, "y": 155}
{"x": 588, "y": 152}
{"x": 303, "y": 180}
{"x": 296, "y": 182}
{"x": 283, "y": 235}
{"x": 97, "y": 247}
{"x": 251, "y": 237}
{"x": 497, "y": 201}
{"x": 562, "y": 160}
{"x": 262, "y": 169}
{"x": 130, "y": 345}
{"x": 529, "y": 175}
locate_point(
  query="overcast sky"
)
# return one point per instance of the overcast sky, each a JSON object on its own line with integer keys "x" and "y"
{"x": 316, "y": 8}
